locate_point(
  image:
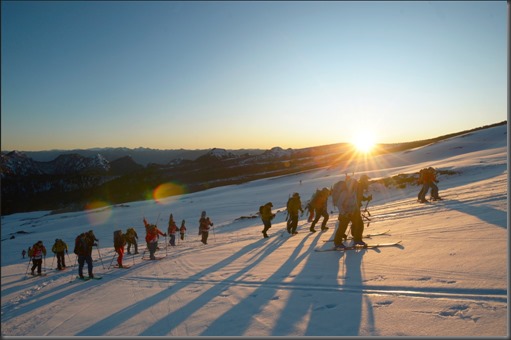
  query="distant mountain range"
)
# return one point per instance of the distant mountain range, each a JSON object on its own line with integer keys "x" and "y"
{"x": 142, "y": 156}
{"x": 70, "y": 180}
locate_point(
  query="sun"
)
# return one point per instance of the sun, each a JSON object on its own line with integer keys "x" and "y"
{"x": 364, "y": 141}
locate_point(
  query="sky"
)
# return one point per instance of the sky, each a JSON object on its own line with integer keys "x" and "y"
{"x": 443, "y": 280}
{"x": 234, "y": 75}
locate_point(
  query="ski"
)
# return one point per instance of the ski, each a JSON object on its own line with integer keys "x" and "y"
{"x": 35, "y": 275}
{"x": 366, "y": 236}
{"x": 158, "y": 258}
{"x": 123, "y": 266}
{"x": 86, "y": 278}
{"x": 354, "y": 247}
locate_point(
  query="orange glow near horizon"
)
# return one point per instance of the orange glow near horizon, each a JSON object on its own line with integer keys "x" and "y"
{"x": 165, "y": 190}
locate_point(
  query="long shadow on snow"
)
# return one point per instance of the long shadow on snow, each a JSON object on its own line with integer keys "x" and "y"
{"x": 165, "y": 325}
{"x": 244, "y": 311}
{"x": 486, "y": 213}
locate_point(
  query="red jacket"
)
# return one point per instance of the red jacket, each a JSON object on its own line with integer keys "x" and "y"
{"x": 152, "y": 233}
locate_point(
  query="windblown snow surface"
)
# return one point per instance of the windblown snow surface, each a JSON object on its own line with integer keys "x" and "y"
{"x": 448, "y": 277}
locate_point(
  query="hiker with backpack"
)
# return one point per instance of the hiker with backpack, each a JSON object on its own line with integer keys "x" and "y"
{"x": 432, "y": 184}
{"x": 294, "y": 205}
{"x": 309, "y": 207}
{"x": 59, "y": 247}
{"x": 349, "y": 203}
{"x": 151, "y": 238}
{"x": 83, "y": 249}
{"x": 320, "y": 206}
{"x": 131, "y": 240}
{"x": 182, "y": 230}
{"x": 266, "y": 217}
{"x": 119, "y": 243}
{"x": 204, "y": 224}
{"x": 37, "y": 252}
{"x": 171, "y": 230}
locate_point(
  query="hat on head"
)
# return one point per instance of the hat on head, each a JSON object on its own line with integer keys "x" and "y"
{"x": 296, "y": 194}
{"x": 269, "y": 204}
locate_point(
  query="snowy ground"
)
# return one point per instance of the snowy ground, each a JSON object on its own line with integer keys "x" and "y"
{"x": 448, "y": 277}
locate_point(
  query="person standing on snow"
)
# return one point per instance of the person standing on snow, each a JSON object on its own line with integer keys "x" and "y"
{"x": 23, "y": 253}
{"x": 266, "y": 217}
{"x": 36, "y": 253}
{"x": 132, "y": 240}
{"x": 294, "y": 205}
{"x": 320, "y": 205}
{"x": 182, "y": 230}
{"x": 83, "y": 249}
{"x": 151, "y": 238}
{"x": 349, "y": 211}
{"x": 171, "y": 230}
{"x": 204, "y": 224}
{"x": 119, "y": 243}
{"x": 432, "y": 184}
{"x": 59, "y": 247}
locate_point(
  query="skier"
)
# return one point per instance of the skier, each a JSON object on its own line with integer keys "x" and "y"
{"x": 348, "y": 204}
{"x": 83, "y": 249}
{"x": 310, "y": 205}
{"x": 182, "y": 230}
{"x": 320, "y": 206}
{"x": 266, "y": 217}
{"x": 131, "y": 240}
{"x": 171, "y": 230}
{"x": 294, "y": 204}
{"x": 204, "y": 224}
{"x": 36, "y": 253}
{"x": 59, "y": 247}
{"x": 432, "y": 184}
{"x": 151, "y": 238}
{"x": 23, "y": 253}
{"x": 119, "y": 243}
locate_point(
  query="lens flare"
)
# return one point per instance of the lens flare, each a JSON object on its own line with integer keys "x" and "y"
{"x": 98, "y": 212}
{"x": 166, "y": 190}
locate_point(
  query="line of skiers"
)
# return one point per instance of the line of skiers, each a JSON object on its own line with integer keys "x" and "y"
{"x": 347, "y": 196}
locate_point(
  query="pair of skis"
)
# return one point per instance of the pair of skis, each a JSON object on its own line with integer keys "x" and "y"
{"x": 365, "y": 236}
{"x": 367, "y": 246}
{"x": 360, "y": 247}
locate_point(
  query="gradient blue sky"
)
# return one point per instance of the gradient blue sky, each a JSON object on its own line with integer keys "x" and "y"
{"x": 193, "y": 75}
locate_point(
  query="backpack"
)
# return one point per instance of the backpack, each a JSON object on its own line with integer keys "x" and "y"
{"x": 118, "y": 239}
{"x": 80, "y": 246}
{"x": 336, "y": 191}
{"x": 261, "y": 209}
{"x": 347, "y": 201}
{"x": 150, "y": 232}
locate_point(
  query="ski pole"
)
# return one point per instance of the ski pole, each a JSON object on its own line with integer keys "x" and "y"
{"x": 166, "y": 245}
{"x": 97, "y": 247}
{"x": 68, "y": 257}
{"x": 52, "y": 260}
{"x": 44, "y": 263}
{"x": 28, "y": 265}
{"x": 113, "y": 258}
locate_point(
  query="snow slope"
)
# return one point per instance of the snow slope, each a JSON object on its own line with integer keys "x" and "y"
{"x": 448, "y": 277}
